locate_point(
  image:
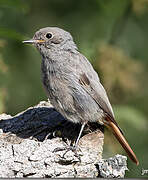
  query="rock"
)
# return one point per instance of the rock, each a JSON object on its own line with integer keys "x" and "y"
{"x": 36, "y": 144}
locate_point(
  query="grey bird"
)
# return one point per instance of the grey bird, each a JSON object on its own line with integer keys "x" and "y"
{"x": 72, "y": 85}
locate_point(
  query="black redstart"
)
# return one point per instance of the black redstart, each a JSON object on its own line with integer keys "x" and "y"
{"x": 72, "y": 85}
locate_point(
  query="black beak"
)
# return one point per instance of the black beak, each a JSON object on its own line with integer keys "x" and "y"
{"x": 33, "y": 41}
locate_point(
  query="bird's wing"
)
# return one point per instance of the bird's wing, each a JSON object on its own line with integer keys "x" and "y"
{"x": 90, "y": 82}
{"x": 97, "y": 92}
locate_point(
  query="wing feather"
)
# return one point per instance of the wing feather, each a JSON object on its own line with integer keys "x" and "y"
{"x": 90, "y": 82}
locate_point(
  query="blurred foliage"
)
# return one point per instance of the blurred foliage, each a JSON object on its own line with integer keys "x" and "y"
{"x": 140, "y": 6}
{"x": 112, "y": 34}
{"x": 120, "y": 73}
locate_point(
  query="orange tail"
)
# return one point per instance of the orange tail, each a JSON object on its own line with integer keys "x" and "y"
{"x": 122, "y": 140}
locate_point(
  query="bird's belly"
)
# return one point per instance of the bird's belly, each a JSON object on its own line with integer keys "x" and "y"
{"x": 74, "y": 109}
{"x": 74, "y": 115}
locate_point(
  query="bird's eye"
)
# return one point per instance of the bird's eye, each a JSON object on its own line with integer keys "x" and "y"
{"x": 49, "y": 35}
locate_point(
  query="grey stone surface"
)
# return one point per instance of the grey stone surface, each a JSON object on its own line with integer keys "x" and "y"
{"x": 35, "y": 143}
{"x": 113, "y": 167}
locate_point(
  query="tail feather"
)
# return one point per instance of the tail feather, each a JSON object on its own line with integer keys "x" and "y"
{"x": 122, "y": 140}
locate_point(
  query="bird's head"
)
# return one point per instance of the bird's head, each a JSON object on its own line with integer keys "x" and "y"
{"x": 52, "y": 38}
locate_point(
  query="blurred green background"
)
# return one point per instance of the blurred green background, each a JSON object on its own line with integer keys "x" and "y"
{"x": 112, "y": 34}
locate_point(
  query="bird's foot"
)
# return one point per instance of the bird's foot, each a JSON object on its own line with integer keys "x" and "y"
{"x": 67, "y": 149}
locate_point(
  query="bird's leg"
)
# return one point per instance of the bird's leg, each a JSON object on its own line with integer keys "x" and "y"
{"x": 80, "y": 133}
{"x": 73, "y": 148}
